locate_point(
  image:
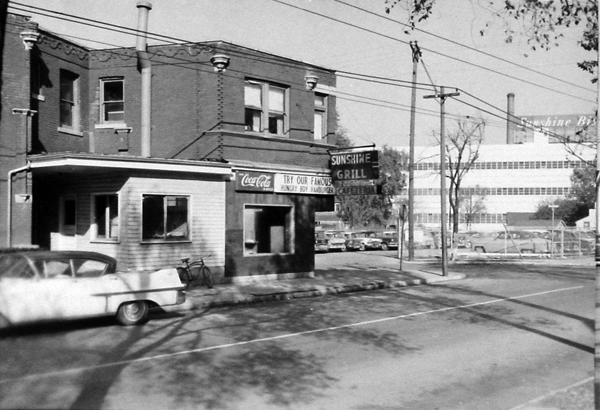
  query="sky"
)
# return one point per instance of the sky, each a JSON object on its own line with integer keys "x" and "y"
{"x": 357, "y": 37}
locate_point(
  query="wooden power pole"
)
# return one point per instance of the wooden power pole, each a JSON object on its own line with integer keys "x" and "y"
{"x": 442, "y": 95}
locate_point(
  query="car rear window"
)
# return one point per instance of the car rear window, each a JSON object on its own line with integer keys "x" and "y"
{"x": 14, "y": 266}
{"x": 89, "y": 268}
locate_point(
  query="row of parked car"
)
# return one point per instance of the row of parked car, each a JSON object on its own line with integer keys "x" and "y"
{"x": 524, "y": 241}
{"x": 334, "y": 240}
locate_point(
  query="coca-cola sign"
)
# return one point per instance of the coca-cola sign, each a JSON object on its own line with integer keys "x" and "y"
{"x": 254, "y": 181}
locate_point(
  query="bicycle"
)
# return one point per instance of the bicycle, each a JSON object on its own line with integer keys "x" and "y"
{"x": 194, "y": 273}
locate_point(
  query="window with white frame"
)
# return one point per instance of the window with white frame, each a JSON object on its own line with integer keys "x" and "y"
{"x": 165, "y": 217}
{"x": 105, "y": 216}
{"x": 265, "y": 107}
{"x": 267, "y": 229}
{"x": 320, "y": 130}
{"x": 69, "y": 100}
{"x": 112, "y": 100}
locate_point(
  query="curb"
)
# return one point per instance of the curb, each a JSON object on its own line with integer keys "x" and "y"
{"x": 278, "y": 295}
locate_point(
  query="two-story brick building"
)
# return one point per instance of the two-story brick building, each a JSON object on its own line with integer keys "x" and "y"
{"x": 156, "y": 153}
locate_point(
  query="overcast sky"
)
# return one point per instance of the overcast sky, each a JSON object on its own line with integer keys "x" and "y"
{"x": 356, "y": 36}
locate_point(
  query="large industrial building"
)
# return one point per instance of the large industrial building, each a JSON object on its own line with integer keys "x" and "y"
{"x": 534, "y": 166}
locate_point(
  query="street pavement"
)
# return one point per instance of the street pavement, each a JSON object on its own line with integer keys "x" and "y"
{"x": 385, "y": 272}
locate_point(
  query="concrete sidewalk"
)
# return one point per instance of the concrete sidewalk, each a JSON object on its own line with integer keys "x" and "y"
{"x": 321, "y": 282}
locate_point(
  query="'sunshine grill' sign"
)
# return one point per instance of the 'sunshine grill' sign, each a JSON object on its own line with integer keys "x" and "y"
{"x": 352, "y": 166}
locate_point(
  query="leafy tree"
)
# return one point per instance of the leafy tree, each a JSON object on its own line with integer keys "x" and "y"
{"x": 583, "y": 186}
{"x": 376, "y": 210}
{"x": 536, "y": 20}
{"x": 568, "y": 211}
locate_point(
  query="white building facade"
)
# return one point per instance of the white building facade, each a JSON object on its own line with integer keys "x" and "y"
{"x": 505, "y": 179}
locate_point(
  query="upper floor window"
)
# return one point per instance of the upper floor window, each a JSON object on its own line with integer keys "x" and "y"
{"x": 112, "y": 100}
{"x": 266, "y": 107}
{"x": 69, "y": 100}
{"x": 320, "y": 130}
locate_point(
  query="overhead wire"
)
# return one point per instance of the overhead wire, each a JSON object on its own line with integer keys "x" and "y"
{"x": 465, "y": 46}
{"x": 434, "y": 51}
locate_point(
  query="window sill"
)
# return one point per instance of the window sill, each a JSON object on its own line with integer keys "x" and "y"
{"x": 111, "y": 125}
{"x": 163, "y": 242}
{"x": 266, "y": 134}
{"x": 98, "y": 240}
{"x": 248, "y": 254}
{"x": 70, "y": 131}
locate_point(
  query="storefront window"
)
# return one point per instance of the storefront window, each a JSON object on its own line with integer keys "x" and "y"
{"x": 267, "y": 229}
{"x": 165, "y": 217}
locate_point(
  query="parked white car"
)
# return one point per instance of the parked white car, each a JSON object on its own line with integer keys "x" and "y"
{"x": 58, "y": 285}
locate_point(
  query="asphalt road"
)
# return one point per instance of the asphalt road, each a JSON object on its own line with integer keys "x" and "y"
{"x": 506, "y": 335}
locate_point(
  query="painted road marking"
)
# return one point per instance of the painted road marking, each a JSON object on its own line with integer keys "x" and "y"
{"x": 272, "y": 338}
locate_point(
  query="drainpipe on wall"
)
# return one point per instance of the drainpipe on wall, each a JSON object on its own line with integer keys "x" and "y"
{"x": 10, "y": 201}
{"x": 144, "y": 8}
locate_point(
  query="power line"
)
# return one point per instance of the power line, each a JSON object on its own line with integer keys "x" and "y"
{"x": 466, "y": 46}
{"x": 434, "y": 52}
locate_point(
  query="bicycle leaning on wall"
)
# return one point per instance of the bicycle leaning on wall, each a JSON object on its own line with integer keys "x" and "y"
{"x": 195, "y": 273}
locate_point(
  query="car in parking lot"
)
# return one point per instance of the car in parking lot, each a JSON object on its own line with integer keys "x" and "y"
{"x": 38, "y": 286}
{"x": 572, "y": 242}
{"x": 321, "y": 244}
{"x": 337, "y": 240}
{"x": 367, "y": 240}
{"x": 389, "y": 240}
{"x": 512, "y": 242}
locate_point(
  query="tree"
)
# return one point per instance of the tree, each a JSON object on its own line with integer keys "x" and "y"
{"x": 536, "y": 20}
{"x": 471, "y": 204}
{"x": 568, "y": 211}
{"x": 462, "y": 151}
{"x": 376, "y": 210}
{"x": 583, "y": 186}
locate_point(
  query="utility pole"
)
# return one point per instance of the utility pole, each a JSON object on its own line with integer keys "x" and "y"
{"x": 597, "y": 259}
{"x": 416, "y": 54}
{"x": 443, "y": 194}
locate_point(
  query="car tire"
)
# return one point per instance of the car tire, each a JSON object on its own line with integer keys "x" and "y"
{"x": 343, "y": 248}
{"x": 384, "y": 246}
{"x": 133, "y": 313}
{"x": 479, "y": 249}
{"x": 362, "y": 247}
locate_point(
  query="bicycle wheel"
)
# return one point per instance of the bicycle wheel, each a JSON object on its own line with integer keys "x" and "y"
{"x": 195, "y": 273}
{"x": 207, "y": 277}
{"x": 184, "y": 276}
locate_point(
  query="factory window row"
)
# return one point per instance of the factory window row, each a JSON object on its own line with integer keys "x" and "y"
{"x": 426, "y": 166}
{"x": 560, "y": 191}
{"x": 478, "y": 218}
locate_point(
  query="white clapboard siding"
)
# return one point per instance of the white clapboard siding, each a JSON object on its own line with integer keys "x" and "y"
{"x": 207, "y": 221}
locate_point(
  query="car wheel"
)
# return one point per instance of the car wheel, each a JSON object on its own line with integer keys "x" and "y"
{"x": 362, "y": 247}
{"x": 479, "y": 249}
{"x": 343, "y": 248}
{"x": 384, "y": 246}
{"x": 133, "y": 313}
